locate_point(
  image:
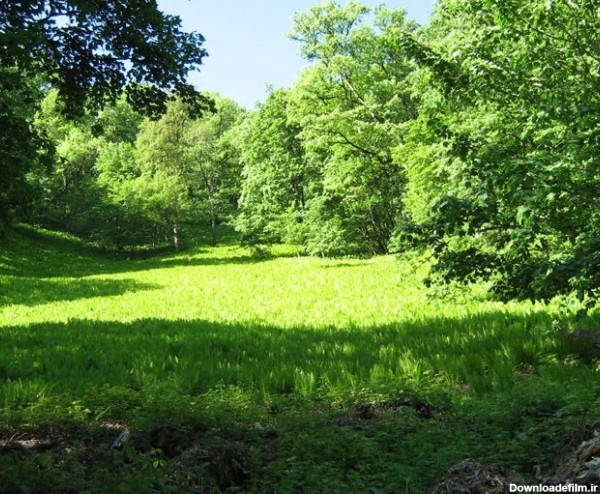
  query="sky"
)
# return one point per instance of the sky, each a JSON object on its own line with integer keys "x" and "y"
{"x": 248, "y": 44}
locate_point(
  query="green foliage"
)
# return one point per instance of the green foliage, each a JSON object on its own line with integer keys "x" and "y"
{"x": 21, "y": 148}
{"x": 216, "y": 161}
{"x": 95, "y": 50}
{"x": 460, "y": 137}
{"x": 514, "y": 146}
{"x": 89, "y": 52}
{"x": 164, "y": 185}
{"x": 278, "y": 181}
{"x": 118, "y": 122}
{"x": 187, "y": 168}
{"x": 474, "y": 138}
{"x": 351, "y": 106}
{"x": 124, "y": 181}
{"x": 319, "y": 168}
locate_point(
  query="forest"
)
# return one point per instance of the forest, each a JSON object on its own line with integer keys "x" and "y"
{"x": 399, "y": 252}
{"x": 474, "y": 137}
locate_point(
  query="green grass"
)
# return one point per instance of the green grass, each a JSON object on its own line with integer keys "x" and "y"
{"x": 287, "y": 344}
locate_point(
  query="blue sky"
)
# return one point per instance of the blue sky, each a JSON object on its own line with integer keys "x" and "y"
{"x": 248, "y": 44}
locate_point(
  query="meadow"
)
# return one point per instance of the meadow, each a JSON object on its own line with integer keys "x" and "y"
{"x": 319, "y": 375}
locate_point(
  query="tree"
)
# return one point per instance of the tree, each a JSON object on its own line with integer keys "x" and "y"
{"x": 89, "y": 51}
{"x": 123, "y": 180}
{"x": 165, "y": 187}
{"x": 277, "y": 179}
{"x": 188, "y": 171}
{"x": 21, "y": 148}
{"x": 216, "y": 162}
{"x": 120, "y": 220}
{"x": 63, "y": 191}
{"x": 352, "y": 105}
{"x": 511, "y": 127}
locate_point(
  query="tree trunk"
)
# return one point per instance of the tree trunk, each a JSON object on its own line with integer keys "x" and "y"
{"x": 176, "y": 237}
{"x": 213, "y": 228}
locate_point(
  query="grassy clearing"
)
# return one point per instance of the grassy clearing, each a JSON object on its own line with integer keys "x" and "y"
{"x": 335, "y": 375}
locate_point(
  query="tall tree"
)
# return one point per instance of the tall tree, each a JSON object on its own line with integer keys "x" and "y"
{"x": 216, "y": 162}
{"x": 64, "y": 192}
{"x": 276, "y": 177}
{"x": 351, "y": 106}
{"x": 188, "y": 170}
{"x": 21, "y": 147}
{"x": 91, "y": 50}
{"x": 166, "y": 185}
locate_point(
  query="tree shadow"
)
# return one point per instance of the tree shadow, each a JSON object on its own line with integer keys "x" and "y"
{"x": 34, "y": 255}
{"x": 36, "y": 291}
{"x": 341, "y": 264}
{"x": 485, "y": 352}
{"x": 26, "y": 253}
{"x": 211, "y": 261}
{"x": 157, "y": 367}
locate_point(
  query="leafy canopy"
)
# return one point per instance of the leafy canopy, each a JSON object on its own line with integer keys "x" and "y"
{"x": 94, "y": 49}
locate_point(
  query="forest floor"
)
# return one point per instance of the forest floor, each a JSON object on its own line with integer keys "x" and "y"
{"x": 215, "y": 370}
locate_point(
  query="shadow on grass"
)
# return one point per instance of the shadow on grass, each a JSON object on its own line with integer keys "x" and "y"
{"x": 341, "y": 264}
{"x": 148, "y": 369}
{"x": 211, "y": 261}
{"x": 25, "y": 253}
{"x": 486, "y": 352}
{"x": 36, "y": 291}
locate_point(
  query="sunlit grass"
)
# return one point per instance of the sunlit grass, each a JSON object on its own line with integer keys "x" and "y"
{"x": 279, "y": 325}
{"x": 225, "y": 284}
